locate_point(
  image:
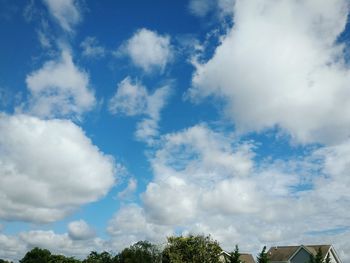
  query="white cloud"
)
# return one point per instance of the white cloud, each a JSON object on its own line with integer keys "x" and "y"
{"x": 147, "y": 129}
{"x": 14, "y": 247}
{"x": 133, "y": 99}
{"x": 91, "y": 48}
{"x": 10, "y": 247}
{"x": 210, "y": 182}
{"x": 80, "y": 230}
{"x": 48, "y": 168}
{"x": 129, "y": 190}
{"x": 148, "y": 50}
{"x": 130, "y": 98}
{"x": 44, "y": 39}
{"x": 130, "y": 225}
{"x": 280, "y": 65}
{"x": 202, "y": 8}
{"x": 65, "y": 12}
{"x": 59, "y": 88}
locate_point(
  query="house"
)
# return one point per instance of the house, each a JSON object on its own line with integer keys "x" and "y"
{"x": 244, "y": 257}
{"x": 300, "y": 254}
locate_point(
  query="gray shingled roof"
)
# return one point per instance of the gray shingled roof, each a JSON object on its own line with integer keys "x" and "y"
{"x": 247, "y": 258}
{"x": 283, "y": 253}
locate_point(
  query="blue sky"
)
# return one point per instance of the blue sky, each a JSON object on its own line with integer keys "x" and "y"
{"x": 128, "y": 120}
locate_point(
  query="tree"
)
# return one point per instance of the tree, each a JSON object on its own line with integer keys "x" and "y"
{"x": 4, "y": 261}
{"x": 319, "y": 257}
{"x": 140, "y": 252}
{"x": 235, "y": 255}
{"x": 194, "y": 249}
{"x": 263, "y": 257}
{"x": 36, "y": 255}
{"x": 95, "y": 257}
{"x": 328, "y": 259}
{"x": 62, "y": 259}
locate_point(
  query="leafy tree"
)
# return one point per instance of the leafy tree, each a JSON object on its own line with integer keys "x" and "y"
{"x": 4, "y": 261}
{"x": 36, "y": 255}
{"x": 263, "y": 257}
{"x": 62, "y": 259}
{"x": 194, "y": 249}
{"x": 235, "y": 255}
{"x": 140, "y": 252}
{"x": 95, "y": 257}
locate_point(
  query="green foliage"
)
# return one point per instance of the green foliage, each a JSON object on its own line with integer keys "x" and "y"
{"x": 95, "y": 257}
{"x": 191, "y": 249}
{"x": 328, "y": 259}
{"x": 5, "y": 261}
{"x": 319, "y": 257}
{"x": 311, "y": 259}
{"x": 62, "y": 259}
{"x": 140, "y": 252}
{"x": 262, "y": 257}
{"x": 36, "y": 255}
{"x": 235, "y": 255}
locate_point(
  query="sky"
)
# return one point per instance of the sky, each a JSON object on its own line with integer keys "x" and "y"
{"x": 136, "y": 120}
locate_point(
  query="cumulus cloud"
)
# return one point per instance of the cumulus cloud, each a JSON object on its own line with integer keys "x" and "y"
{"x": 48, "y": 168}
{"x": 80, "y": 230}
{"x": 212, "y": 182}
{"x": 59, "y": 89}
{"x": 193, "y": 164}
{"x": 133, "y": 99}
{"x": 148, "y": 50}
{"x": 91, "y": 48}
{"x": 65, "y": 12}
{"x": 130, "y": 225}
{"x": 281, "y": 65}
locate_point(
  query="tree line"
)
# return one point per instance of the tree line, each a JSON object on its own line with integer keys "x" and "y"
{"x": 179, "y": 249}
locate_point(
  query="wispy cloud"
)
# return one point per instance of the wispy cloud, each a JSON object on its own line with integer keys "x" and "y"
{"x": 91, "y": 48}
{"x": 65, "y": 12}
{"x": 133, "y": 99}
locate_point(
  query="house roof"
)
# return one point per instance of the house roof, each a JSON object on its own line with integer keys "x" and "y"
{"x": 247, "y": 258}
{"x": 244, "y": 257}
{"x": 281, "y": 253}
{"x": 284, "y": 253}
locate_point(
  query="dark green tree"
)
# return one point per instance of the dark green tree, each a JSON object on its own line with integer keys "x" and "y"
{"x": 36, "y": 255}
{"x": 62, "y": 259}
{"x": 311, "y": 259}
{"x": 95, "y": 257}
{"x": 235, "y": 255}
{"x": 4, "y": 261}
{"x": 328, "y": 259}
{"x": 194, "y": 249}
{"x": 262, "y": 257}
{"x": 319, "y": 256}
{"x": 140, "y": 252}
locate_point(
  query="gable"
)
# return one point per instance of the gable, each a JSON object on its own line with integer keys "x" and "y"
{"x": 301, "y": 256}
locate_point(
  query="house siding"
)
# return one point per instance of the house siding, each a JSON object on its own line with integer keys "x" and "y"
{"x": 301, "y": 257}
